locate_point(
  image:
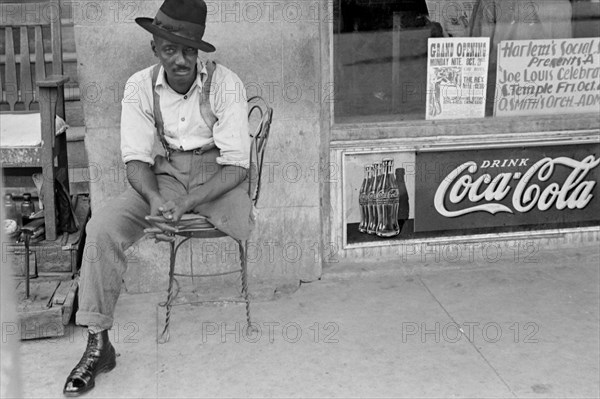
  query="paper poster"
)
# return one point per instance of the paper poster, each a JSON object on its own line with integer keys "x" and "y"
{"x": 457, "y": 77}
{"x": 537, "y": 77}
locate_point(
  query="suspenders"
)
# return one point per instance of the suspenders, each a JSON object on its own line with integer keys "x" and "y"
{"x": 209, "y": 117}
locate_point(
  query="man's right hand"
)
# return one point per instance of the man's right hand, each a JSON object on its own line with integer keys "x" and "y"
{"x": 162, "y": 230}
{"x": 155, "y": 204}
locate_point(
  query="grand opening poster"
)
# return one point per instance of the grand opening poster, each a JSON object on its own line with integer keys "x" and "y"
{"x": 457, "y": 71}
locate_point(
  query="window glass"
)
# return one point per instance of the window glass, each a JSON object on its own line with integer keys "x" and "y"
{"x": 380, "y": 46}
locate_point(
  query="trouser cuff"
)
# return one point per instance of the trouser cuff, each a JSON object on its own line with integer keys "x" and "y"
{"x": 93, "y": 319}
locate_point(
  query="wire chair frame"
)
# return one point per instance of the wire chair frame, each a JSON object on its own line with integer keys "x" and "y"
{"x": 257, "y": 152}
{"x": 258, "y": 145}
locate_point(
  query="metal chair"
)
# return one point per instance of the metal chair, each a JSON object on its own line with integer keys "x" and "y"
{"x": 196, "y": 226}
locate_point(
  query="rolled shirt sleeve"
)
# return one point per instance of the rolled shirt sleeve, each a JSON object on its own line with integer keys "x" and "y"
{"x": 137, "y": 120}
{"x": 230, "y": 132}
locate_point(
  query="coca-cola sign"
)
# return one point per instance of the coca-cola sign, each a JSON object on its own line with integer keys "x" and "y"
{"x": 507, "y": 187}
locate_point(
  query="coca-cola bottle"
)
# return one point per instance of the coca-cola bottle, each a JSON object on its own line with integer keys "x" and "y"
{"x": 363, "y": 198}
{"x": 388, "y": 198}
{"x": 371, "y": 199}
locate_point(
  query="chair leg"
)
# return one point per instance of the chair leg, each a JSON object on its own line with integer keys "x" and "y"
{"x": 165, "y": 336}
{"x": 48, "y": 152}
{"x": 244, "y": 264}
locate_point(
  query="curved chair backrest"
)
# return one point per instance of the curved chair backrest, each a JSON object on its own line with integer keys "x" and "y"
{"x": 259, "y": 143}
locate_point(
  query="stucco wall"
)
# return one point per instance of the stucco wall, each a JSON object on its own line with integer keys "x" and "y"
{"x": 274, "y": 47}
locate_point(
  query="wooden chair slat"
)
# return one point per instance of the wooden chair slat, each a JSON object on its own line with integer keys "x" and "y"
{"x": 67, "y": 57}
{"x": 1, "y": 89}
{"x": 26, "y": 83}
{"x": 55, "y": 28}
{"x": 40, "y": 68}
{"x": 12, "y": 95}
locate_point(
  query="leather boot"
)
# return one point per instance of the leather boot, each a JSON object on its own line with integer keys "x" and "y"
{"x": 99, "y": 356}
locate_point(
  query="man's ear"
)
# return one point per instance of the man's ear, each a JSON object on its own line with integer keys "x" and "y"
{"x": 153, "y": 46}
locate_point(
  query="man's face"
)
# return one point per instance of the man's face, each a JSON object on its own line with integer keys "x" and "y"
{"x": 179, "y": 61}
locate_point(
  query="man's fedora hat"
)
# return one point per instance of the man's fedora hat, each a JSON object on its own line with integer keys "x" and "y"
{"x": 180, "y": 21}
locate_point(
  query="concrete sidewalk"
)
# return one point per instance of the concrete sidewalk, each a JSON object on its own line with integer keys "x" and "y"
{"x": 487, "y": 329}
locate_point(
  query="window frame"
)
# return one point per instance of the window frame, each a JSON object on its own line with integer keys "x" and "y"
{"x": 393, "y": 127}
{"x": 392, "y": 132}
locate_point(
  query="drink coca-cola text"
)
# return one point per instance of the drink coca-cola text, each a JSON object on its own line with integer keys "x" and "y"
{"x": 460, "y": 187}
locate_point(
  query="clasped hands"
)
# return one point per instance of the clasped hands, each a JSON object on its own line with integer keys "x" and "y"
{"x": 171, "y": 211}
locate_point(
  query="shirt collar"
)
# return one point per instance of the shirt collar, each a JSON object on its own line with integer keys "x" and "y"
{"x": 201, "y": 76}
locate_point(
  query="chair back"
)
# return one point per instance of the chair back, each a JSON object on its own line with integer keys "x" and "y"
{"x": 264, "y": 114}
{"x": 25, "y": 24}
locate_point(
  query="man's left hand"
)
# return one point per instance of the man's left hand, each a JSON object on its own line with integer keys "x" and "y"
{"x": 174, "y": 209}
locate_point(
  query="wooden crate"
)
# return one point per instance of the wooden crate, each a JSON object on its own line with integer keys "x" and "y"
{"x": 48, "y": 309}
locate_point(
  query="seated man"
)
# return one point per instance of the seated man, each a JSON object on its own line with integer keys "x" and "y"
{"x": 203, "y": 131}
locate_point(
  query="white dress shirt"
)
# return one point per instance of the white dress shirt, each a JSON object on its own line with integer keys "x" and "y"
{"x": 184, "y": 126}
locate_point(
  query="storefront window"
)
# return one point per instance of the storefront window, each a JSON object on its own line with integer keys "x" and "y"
{"x": 380, "y": 50}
